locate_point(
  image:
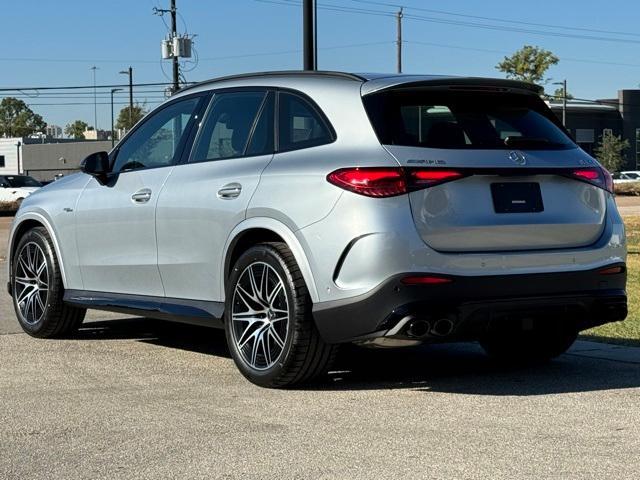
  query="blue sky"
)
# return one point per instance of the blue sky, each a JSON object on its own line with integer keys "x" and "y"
{"x": 56, "y": 43}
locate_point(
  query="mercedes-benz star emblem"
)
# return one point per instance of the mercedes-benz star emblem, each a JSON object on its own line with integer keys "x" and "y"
{"x": 518, "y": 158}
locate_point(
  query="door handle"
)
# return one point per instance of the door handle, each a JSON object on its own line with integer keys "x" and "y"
{"x": 229, "y": 191}
{"x": 142, "y": 196}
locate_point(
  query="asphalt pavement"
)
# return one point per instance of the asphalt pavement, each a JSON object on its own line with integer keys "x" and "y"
{"x": 135, "y": 398}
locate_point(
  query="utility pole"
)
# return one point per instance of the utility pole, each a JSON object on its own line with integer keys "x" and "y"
{"x": 130, "y": 73}
{"x": 399, "y": 39}
{"x": 95, "y": 101}
{"x": 174, "y": 35}
{"x": 564, "y": 102}
{"x": 309, "y": 35}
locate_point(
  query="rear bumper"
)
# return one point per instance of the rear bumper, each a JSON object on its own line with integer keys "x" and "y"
{"x": 473, "y": 303}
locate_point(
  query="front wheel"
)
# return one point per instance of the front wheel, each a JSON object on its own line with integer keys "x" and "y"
{"x": 270, "y": 332}
{"x": 37, "y": 288}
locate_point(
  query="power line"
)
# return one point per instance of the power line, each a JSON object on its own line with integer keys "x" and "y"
{"x": 78, "y": 87}
{"x": 497, "y": 19}
{"x": 461, "y": 23}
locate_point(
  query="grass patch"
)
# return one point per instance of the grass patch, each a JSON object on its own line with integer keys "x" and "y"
{"x": 631, "y": 188}
{"x": 627, "y": 332}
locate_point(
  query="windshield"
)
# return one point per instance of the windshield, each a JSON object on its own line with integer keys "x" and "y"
{"x": 464, "y": 120}
{"x": 18, "y": 181}
{"x": 633, "y": 175}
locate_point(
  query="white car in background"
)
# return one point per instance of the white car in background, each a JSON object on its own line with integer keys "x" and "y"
{"x": 627, "y": 177}
{"x": 15, "y": 188}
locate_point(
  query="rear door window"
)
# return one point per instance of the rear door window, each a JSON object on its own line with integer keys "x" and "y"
{"x": 464, "y": 120}
{"x": 299, "y": 124}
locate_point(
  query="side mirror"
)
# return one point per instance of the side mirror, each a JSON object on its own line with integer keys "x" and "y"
{"x": 96, "y": 165}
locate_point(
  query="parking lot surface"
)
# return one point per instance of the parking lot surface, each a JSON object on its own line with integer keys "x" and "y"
{"x": 137, "y": 398}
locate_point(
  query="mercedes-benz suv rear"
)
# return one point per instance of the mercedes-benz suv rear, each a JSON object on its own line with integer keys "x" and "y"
{"x": 303, "y": 210}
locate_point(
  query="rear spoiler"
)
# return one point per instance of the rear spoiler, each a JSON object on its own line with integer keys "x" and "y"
{"x": 450, "y": 83}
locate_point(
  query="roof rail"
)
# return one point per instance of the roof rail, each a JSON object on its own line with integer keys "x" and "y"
{"x": 278, "y": 73}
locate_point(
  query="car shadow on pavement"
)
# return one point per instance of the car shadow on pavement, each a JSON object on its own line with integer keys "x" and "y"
{"x": 460, "y": 368}
{"x": 463, "y": 368}
{"x": 157, "y": 332}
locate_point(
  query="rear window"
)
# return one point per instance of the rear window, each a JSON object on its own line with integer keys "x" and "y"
{"x": 464, "y": 120}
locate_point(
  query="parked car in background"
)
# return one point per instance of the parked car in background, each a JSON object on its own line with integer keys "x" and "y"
{"x": 626, "y": 177}
{"x": 304, "y": 210}
{"x": 15, "y": 188}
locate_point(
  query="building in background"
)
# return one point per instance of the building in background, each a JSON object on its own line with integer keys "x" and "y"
{"x": 53, "y": 131}
{"x": 44, "y": 159}
{"x": 97, "y": 135}
{"x": 588, "y": 121}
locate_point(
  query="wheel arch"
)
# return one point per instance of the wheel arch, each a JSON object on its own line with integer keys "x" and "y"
{"x": 23, "y": 224}
{"x": 258, "y": 230}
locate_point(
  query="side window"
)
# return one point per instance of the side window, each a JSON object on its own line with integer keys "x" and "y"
{"x": 299, "y": 125}
{"x": 154, "y": 144}
{"x": 261, "y": 142}
{"x": 226, "y": 129}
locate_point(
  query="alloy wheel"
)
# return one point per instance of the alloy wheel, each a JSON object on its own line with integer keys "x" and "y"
{"x": 260, "y": 316}
{"x": 31, "y": 283}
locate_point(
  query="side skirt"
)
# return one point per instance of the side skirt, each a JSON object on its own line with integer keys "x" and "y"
{"x": 195, "y": 312}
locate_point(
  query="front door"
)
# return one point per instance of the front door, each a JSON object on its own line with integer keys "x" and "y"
{"x": 205, "y": 198}
{"x": 115, "y": 231}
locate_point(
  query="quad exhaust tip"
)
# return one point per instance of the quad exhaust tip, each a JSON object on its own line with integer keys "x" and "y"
{"x": 423, "y": 328}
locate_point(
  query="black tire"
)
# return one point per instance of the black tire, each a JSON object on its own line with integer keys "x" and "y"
{"x": 537, "y": 345}
{"x": 305, "y": 355}
{"x": 56, "y": 319}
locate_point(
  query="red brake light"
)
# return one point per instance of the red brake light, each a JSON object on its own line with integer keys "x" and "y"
{"x": 429, "y": 178}
{"x": 389, "y": 182}
{"x": 371, "y": 182}
{"x": 597, "y": 176}
{"x": 425, "y": 280}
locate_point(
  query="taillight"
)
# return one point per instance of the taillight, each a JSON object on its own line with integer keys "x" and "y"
{"x": 388, "y": 182}
{"x": 372, "y": 182}
{"x": 597, "y": 176}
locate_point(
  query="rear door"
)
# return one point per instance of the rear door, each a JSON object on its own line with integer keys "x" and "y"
{"x": 206, "y": 197}
{"x": 513, "y": 165}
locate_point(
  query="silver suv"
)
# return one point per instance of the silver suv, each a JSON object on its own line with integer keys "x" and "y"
{"x": 302, "y": 210}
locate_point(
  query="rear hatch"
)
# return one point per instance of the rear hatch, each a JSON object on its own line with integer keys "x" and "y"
{"x": 501, "y": 173}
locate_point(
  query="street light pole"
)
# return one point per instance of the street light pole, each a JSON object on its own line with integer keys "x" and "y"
{"x": 95, "y": 101}
{"x": 130, "y": 73}
{"x": 113, "y": 135}
{"x": 564, "y": 100}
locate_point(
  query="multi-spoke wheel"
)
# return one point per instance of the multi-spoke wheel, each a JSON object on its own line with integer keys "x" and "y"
{"x": 31, "y": 282}
{"x": 37, "y": 288}
{"x": 270, "y": 332}
{"x": 260, "y": 315}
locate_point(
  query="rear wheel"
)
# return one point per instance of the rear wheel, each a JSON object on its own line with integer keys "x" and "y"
{"x": 537, "y": 345}
{"x": 268, "y": 323}
{"x": 37, "y": 288}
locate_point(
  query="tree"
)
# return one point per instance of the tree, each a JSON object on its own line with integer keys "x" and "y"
{"x": 18, "y": 120}
{"x": 558, "y": 95}
{"x": 528, "y": 64}
{"x": 138, "y": 111}
{"x": 610, "y": 151}
{"x": 76, "y": 129}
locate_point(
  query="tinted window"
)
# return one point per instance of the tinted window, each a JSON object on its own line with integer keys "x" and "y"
{"x": 261, "y": 142}
{"x": 2, "y": 163}
{"x": 464, "y": 120}
{"x": 18, "y": 181}
{"x": 155, "y": 142}
{"x": 299, "y": 125}
{"x": 226, "y": 128}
